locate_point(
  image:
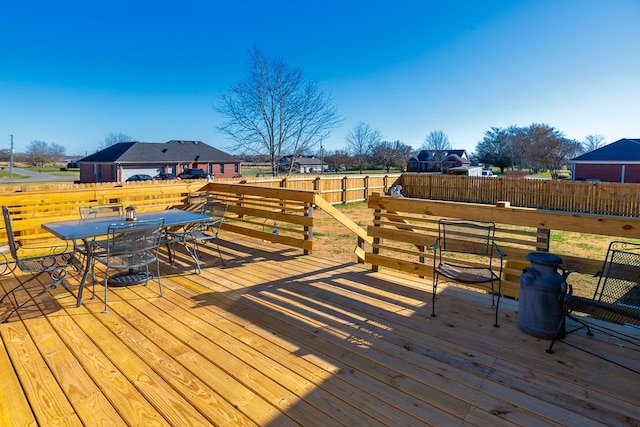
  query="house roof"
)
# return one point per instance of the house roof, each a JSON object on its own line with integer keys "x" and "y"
{"x": 456, "y": 158}
{"x": 429, "y": 155}
{"x": 621, "y": 151}
{"x": 174, "y": 151}
{"x": 302, "y": 160}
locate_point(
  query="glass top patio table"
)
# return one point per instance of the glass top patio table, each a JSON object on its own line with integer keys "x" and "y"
{"x": 87, "y": 229}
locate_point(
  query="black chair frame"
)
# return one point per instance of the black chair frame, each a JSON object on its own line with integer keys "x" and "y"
{"x": 465, "y": 252}
{"x": 54, "y": 260}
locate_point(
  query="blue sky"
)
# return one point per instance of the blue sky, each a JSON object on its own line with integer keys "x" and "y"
{"x": 71, "y": 72}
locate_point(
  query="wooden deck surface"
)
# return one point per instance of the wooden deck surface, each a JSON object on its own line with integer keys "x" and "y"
{"x": 276, "y": 338}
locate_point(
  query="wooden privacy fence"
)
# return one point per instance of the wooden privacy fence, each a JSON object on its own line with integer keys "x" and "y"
{"x": 605, "y": 198}
{"x": 403, "y": 229}
{"x": 334, "y": 188}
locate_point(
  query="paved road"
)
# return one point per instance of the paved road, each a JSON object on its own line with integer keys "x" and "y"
{"x": 33, "y": 176}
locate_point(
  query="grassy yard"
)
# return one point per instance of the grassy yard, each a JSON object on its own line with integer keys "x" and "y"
{"x": 334, "y": 241}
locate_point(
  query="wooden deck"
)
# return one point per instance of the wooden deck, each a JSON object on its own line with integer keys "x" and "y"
{"x": 277, "y": 338}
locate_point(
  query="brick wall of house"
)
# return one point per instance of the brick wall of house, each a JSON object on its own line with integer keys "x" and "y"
{"x": 607, "y": 173}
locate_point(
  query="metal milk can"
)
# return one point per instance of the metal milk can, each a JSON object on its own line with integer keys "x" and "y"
{"x": 541, "y": 292}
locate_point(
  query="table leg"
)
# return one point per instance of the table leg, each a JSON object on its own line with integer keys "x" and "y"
{"x": 87, "y": 267}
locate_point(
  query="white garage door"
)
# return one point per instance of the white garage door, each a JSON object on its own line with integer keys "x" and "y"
{"x": 151, "y": 171}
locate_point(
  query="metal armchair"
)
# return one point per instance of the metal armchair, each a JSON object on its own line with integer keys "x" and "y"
{"x": 202, "y": 232}
{"x": 131, "y": 245}
{"x": 98, "y": 211}
{"x": 615, "y": 297}
{"x": 55, "y": 260}
{"x": 465, "y": 252}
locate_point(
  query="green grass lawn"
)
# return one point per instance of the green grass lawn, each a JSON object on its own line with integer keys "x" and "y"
{"x": 253, "y": 171}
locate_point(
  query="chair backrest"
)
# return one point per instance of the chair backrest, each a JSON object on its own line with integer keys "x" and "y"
{"x": 13, "y": 245}
{"x": 619, "y": 282}
{"x": 134, "y": 238}
{"x": 465, "y": 236}
{"x": 216, "y": 210}
{"x": 102, "y": 210}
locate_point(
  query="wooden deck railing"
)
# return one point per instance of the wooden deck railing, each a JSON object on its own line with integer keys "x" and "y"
{"x": 404, "y": 228}
{"x": 401, "y": 231}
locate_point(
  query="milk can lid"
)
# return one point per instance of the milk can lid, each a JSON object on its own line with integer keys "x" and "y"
{"x": 544, "y": 258}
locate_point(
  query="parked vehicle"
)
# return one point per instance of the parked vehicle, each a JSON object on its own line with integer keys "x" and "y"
{"x": 166, "y": 177}
{"x": 488, "y": 173}
{"x": 139, "y": 177}
{"x": 465, "y": 170}
{"x": 194, "y": 174}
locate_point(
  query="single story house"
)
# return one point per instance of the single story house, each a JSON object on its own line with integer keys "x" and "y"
{"x": 437, "y": 160}
{"x": 302, "y": 164}
{"x": 615, "y": 162}
{"x": 119, "y": 161}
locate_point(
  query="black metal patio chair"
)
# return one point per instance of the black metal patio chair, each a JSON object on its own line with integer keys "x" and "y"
{"x": 98, "y": 211}
{"x": 616, "y": 297}
{"x": 200, "y": 233}
{"x": 131, "y": 245}
{"x": 55, "y": 260}
{"x": 465, "y": 252}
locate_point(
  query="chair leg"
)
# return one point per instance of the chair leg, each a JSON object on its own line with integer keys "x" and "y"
{"x": 159, "y": 282}
{"x": 557, "y": 336}
{"x": 497, "y": 302}
{"x": 220, "y": 254}
{"x": 57, "y": 276}
{"x": 433, "y": 296}
{"x": 106, "y": 285}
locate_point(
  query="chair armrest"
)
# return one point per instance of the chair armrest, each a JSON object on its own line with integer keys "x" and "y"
{"x": 435, "y": 245}
{"x": 499, "y": 252}
{"x": 40, "y": 251}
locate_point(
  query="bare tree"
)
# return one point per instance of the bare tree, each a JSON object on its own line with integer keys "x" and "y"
{"x": 391, "y": 154}
{"x": 438, "y": 142}
{"x": 42, "y": 153}
{"x": 113, "y": 138}
{"x": 56, "y": 152}
{"x": 547, "y": 148}
{"x": 593, "y": 142}
{"x": 38, "y": 150}
{"x": 361, "y": 140}
{"x": 275, "y": 111}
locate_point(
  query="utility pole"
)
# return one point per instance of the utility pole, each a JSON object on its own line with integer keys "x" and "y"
{"x": 11, "y": 159}
{"x": 321, "y": 158}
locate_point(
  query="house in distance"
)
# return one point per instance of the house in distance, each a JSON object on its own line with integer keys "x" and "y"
{"x": 615, "y": 162}
{"x": 120, "y": 161}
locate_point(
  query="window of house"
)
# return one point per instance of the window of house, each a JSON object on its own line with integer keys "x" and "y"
{"x": 221, "y": 168}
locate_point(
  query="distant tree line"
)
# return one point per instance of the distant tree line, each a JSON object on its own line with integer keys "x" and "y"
{"x": 538, "y": 147}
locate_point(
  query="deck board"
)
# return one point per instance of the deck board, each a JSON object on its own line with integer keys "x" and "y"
{"x": 278, "y": 338}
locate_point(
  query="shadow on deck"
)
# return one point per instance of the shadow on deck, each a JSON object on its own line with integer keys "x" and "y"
{"x": 278, "y": 338}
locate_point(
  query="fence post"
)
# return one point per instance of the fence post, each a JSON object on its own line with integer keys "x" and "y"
{"x": 308, "y": 230}
{"x": 344, "y": 190}
{"x": 376, "y": 240}
{"x": 366, "y": 187}
{"x": 546, "y": 239}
